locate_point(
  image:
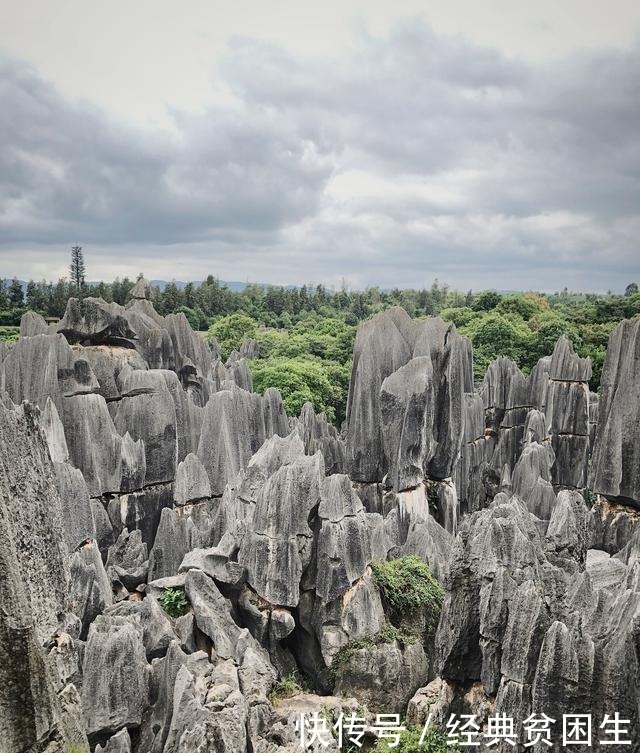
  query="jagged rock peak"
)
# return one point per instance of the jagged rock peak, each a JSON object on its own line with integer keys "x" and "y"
{"x": 384, "y": 344}
{"x": 141, "y": 290}
{"x": 192, "y": 481}
{"x": 94, "y": 321}
{"x": 32, "y": 324}
{"x": 566, "y": 365}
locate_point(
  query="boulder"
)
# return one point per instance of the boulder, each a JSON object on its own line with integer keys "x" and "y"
{"x": 92, "y": 321}
{"x": 115, "y": 689}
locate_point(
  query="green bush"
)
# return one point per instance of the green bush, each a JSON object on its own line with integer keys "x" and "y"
{"x": 9, "y": 334}
{"x": 173, "y": 602}
{"x": 409, "y": 586}
{"x": 288, "y": 686}
{"x": 434, "y": 741}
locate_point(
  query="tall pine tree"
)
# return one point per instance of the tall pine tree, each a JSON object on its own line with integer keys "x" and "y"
{"x": 77, "y": 269}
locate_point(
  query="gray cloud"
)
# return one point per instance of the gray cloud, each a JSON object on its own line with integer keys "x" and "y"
{"x": 416, "y": 156}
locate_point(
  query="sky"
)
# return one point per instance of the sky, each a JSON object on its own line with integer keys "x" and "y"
{"x": 488, "y": 145}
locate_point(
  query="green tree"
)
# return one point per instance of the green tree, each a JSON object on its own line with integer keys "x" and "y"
{"x": 299, "y": 381}
{"x": 495, "y": 334}
{"x": 230, "y": 332}
{"x": 77, "y": 268}
{"x": 631, "y": 289}
{"x": 486, "y": 301}
{"x": 16, "y": 296}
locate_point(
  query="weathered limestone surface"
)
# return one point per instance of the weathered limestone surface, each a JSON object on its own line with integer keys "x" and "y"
{"x": 233, "y": 429}
{"x": 94, "y": 321}
{"x": 382, "y": 421}
{"x": 278, "y": 549}
{"x": 34, "y": 583}
{"x": 115, "y": 691}
{"x": 152, "y": 465}
{"x": 615, "y": 467}
{"x": 567, "y": 412}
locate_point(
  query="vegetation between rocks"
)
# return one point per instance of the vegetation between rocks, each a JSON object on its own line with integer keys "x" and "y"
{"x": 285, "y": 688}
{"x": 434, "y": 741}
{"x": 174, "y": 602}
{"x": 408, "y": 587}
{"x": 388, "y": 634}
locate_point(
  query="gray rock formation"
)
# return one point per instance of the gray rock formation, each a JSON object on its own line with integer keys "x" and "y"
{"x": 567, "y": 412}
{"x": 616, "y": 455}
{"x": 278, "y": 549}
{"x": 32, "y": 324}
{"x": 92, "y": 321}
{"x": 233, "y": 429}
{"x": 192, "y": 482}
{"x": 34, "y": 582}
{"x": 115, "y": 690}
{"x": 318, "y": 434}
{"x": 151, "y": 465}
{"x": 343, "y": 545}
{"x": 385, "y": 344}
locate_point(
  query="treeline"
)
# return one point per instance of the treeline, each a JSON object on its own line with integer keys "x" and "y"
{"x": 306, "y": 334}
{"x": 274, "y": 306}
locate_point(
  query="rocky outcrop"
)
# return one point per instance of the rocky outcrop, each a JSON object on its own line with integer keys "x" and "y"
{"x": 150, "y": 474}
{"x": 406, "y": 399}
{"x": 34, "y": 585}
{"x": 92, "y": 321}
{"x": 32, "y": 324}
{"x": 527, "y": 618}
{"x": 278, "y": 549}
{"x": 567, "y": 412}
{"x": 233, "y": 429}
{"x": 115, "y": 690}
{"x": 318, "y": 434}
{"x": 616, "y": 456}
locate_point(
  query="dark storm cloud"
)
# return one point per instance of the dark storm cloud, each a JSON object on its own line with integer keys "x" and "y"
{"x": 415, "y": 154}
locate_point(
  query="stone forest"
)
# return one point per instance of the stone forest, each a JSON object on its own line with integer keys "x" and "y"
{"x": 185, "y": 568}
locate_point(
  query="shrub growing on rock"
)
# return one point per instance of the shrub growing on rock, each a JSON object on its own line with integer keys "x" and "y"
{"x": 174, "y": 602}
{"x": 408, "y": 586}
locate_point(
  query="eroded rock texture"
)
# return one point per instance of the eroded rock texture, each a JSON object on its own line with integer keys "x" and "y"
{"x": 615, "y": 467}
{"x": 172, "y": 544}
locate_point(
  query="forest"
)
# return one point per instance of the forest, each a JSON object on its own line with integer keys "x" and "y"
{"x": 306, "y": 334}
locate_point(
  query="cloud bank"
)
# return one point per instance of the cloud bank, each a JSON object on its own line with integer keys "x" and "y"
{"x": 414, "y": 156}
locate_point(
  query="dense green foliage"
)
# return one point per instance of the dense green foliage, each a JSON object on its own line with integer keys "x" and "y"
{"x": 306, "y": 334}
{"x": 408, "y": 586}
{"x": 434, "y": 741}
{"x": 173, "y": 602}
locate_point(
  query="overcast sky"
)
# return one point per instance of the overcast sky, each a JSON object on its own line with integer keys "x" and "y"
{"x": 488, "y": 144}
